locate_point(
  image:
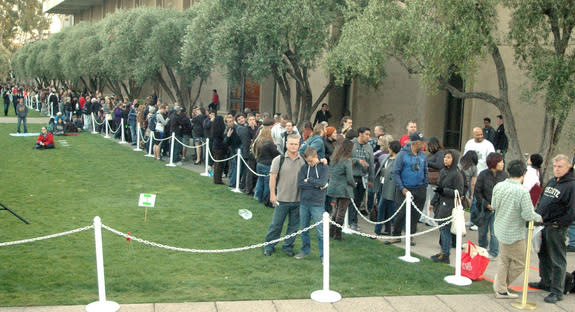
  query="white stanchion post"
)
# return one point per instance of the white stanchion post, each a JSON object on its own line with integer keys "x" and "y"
{"x": 150, "y": 144}
{"x": 102, "y": 305}
{"x": 206, "y": 173}
{"x": 123, "y": 140}
{"x": 408, "y": 257}
{"x": 93, "y": 124}
{"x": 346, "y": 229}
{"x": 325, "y": 295}
{"x": 458, "y": 279}
{"x": 107, "y": 136}
{"x": 173, "y": 140}
{"x": 238, "y": 166}
{"x": 138, "y": 133}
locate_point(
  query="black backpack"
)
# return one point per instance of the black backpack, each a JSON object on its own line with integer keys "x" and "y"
{"x": 152, "y": 123}
{"x": 569, "y": 282}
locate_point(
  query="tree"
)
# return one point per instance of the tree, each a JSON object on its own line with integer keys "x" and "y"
{"x": 21, "y": 19}
{"x": 81, "y": 59}
{"x": 542, "y": 35}
{"x": 432, "y": 38}
{"x": 280, "y": 39}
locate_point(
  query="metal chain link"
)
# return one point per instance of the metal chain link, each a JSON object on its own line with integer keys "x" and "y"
{"x": 139, "y": 240}
{"x": 46, "y": 237}
{"x": 429, "y": 218}
{"x": 390, "y": 237}
{"x": 378, "y": 222}
{"x": 219, "y": 160}
{"x": 255, "y": 173}
{"x": 189, "y": 146}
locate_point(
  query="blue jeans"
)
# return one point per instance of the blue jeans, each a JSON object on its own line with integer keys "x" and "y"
{"x": 281, "y": 211}
{"x": 305, "y": 213}
{"x": 445, "y": 236}
{"x": 133, "y": 134}
{"x": 385, "y": 209}
{"x": 571, "y": 233}
{"x": 263, "y": 184}
{"x": 487, "y": 228}
{"x": 20, "y": 120}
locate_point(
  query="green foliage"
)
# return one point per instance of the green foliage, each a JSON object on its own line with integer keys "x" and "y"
{"x": 542, "y": 32}
{"x": 434, "y": 38}
{"x": 65, "y": 188}
{"x": 22, "y": 20}
{"x": 5, "y": 56}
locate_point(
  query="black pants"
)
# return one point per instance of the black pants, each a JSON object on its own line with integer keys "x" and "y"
{"x": 552, "y": 258}
{"x": 358, "y": 194}
{"x": 419, "y": 195}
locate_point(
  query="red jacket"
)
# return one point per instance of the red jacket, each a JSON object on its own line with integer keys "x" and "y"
{"x": 47, "y": 140}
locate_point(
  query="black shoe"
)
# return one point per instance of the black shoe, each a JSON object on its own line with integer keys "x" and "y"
{"x": 539, "y": 285}
{"x": 268, "y": 252}
{"x": 364, "y": 212}
{"x": 553, "y": 298}
{"x": 289, "y": 253}
{"x": 412, "y": 243}
{"x": 435, "y": 257}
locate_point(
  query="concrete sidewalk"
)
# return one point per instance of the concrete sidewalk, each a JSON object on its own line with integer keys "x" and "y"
{"x": 427, "y": 245}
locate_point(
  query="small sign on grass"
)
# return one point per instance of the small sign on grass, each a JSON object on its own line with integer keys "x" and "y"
{"x": 147, "y": 201}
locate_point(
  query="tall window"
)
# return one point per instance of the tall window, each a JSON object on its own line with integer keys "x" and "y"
{"x": 454, "y": 116}
{"x": 245, "y": 94}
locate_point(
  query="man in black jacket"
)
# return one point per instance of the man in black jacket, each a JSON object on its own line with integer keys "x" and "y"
{"x": 500, "y": 141}
{"x": 557, "y": 208}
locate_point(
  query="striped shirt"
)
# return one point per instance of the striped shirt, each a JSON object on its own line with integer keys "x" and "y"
{"x": 513, "y": 207}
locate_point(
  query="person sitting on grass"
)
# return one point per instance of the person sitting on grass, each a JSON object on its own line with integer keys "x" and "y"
{"x": 45, "y": 140}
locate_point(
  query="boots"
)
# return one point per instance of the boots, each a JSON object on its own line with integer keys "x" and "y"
{"x": 440, "y": 257}
{"x": 337, "y": 233}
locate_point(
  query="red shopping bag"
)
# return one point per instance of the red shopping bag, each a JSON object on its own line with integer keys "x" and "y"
{"x": 473, "y": 264}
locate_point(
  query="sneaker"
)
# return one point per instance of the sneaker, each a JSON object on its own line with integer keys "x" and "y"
{"x": 506, "y": 295}
{"x": 300, "y": 255}
{"x": 492, "y": 258}
{"x": 468, "y": 223}
{"x": 553, "y": 298}
{"x": 570, "y": 248}
{"x": 539, "y": 285}
{"x": 268, "y": 252}
{"x": 393, "y": 241}
{"x": 289, "y": 253}
{"x": 354, "y": 227}
{"x": 435, "y": 257}
{"x": 473, "y": 228}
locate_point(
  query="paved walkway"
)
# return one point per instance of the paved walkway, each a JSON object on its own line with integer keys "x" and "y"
{"x": 427, "y": 245}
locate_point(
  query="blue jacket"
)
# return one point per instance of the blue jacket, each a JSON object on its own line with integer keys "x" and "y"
{"x": 410, "y": 170}
{"x": 315, "y": 142}
{"x": 313, "y": 191}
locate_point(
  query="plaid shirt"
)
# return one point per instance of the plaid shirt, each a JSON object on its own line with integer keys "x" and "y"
{"x": 513, "y": 207}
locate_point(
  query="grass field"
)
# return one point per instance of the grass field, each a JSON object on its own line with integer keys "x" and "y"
{"x": 65, "y": 188}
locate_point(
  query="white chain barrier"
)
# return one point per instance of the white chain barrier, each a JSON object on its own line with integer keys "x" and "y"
{"x": 250, "y": 169}
{"x": 146, "y": 242}
{"x": 219, "y": 160}
{"x": 190, "y": 146}
{"x": 46, "y": 237}
{"x": 378, "y": 222}
{"x": 388, "y": 237}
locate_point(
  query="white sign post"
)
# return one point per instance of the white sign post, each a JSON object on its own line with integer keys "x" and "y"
{"x": 147, "y": 200}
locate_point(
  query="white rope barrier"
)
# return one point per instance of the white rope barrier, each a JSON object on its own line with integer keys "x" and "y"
{"x": 250, "y": 169}
{"x": 153, "y": 244}
{"x": 46, "y": 237}
{"x": 99, "y": 123}
{"x": 430, "y": 218}
{"x": 144, "y": 138}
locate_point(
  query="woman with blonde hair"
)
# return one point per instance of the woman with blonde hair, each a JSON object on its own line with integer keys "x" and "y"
{"x": 264, "y": 150}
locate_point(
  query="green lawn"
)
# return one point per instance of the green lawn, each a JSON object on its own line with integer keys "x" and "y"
{"x": 65, "y": 188}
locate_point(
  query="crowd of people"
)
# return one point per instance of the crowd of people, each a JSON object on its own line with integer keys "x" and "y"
{"x": 339, "y": 168}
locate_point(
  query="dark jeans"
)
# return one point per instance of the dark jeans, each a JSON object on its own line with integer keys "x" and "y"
{"x": 419, "y": 195}
{"x": 358, "y": 194}
{"x": 218, "y": 166}
{"x": 552, "y": 258}
{"x": 281, "y": 211}
{"x": 385, "y": 209}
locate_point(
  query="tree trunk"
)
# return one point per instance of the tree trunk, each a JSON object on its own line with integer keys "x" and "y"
{"x": 199, "y": 91}
{"x": 165, "y": 87}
